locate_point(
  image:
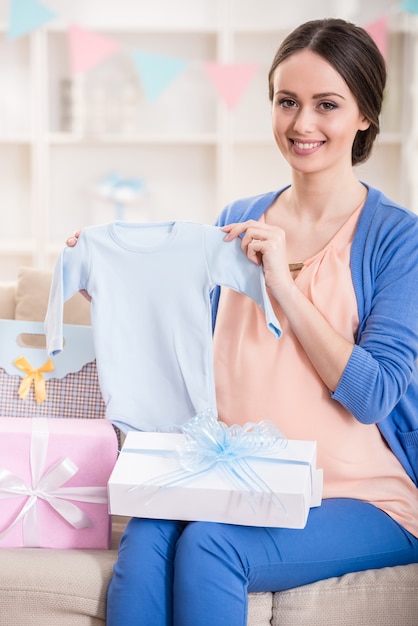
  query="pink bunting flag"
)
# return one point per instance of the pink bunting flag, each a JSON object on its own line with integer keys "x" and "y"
{"x": 230, "y": 79}
{"x": 379, "y": 30}
{"x": 88, "y": 49}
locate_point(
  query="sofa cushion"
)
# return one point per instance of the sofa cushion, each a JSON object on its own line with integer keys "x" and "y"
{"x": 7, "y": 300}
{"x": 68, "y": 588}
{"x": 54, "y": 587}
{"x": 385, "y": 597}
{"x": 32, "y": 292}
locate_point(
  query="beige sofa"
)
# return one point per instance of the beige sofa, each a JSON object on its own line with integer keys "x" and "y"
{"x": 68, "y": 587}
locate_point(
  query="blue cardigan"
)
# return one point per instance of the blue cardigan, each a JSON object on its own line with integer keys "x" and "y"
{"x": 380, "y": 382}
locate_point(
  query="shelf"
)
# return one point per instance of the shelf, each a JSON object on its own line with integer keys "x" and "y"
{"x": 15, "y": 71}
{"x": 139, "y": 30}
{"x": 15, "y": 247}
{"x": 111, "y": 99}
{"x": 179, "y": 180}
{"x": 191, "y": 15}
{"x": 143, "y": 139}
{"x": 60, "y": 135}
{"x": 15, "y": 139}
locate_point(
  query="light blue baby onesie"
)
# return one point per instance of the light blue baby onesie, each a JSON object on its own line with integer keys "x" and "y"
{"x": 150, "y": 286}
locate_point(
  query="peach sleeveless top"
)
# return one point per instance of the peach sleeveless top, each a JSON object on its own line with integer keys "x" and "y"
{"x": 259, "y": 377}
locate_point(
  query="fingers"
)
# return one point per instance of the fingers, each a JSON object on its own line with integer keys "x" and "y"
{"x": 253, "y": 238}
{"x": 71, "y": 241}
{"x": 237, "y": 229}
{"x": 247, "y": 231}
{"x": 255, "y": 249}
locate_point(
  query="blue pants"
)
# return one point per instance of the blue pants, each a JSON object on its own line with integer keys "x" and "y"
{"x": 199, "y": 573}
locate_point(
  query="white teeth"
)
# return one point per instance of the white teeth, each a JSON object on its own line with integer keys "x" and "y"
{"x": 307, "y": 146}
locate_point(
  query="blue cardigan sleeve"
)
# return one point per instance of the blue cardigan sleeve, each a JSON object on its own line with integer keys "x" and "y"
{"x": 385, "y": 276}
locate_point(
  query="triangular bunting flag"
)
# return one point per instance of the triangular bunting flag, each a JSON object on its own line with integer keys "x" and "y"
{"x": 27, "y": 15}
{"x": 378, "y": 30}
{"x": 88, "y": 49}
{"x": 410, "y": 6}
{"x": 156, "y": 71}
{"x": 230, "y": 79}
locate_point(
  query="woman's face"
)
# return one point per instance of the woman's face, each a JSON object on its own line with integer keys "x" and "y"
{"x": 315, "y": 116}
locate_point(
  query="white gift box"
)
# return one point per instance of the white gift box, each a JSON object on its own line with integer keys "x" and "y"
{"x": 288, "y": 480}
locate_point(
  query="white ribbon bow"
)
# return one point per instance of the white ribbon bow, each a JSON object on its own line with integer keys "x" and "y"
{"x": 47, "y": 485}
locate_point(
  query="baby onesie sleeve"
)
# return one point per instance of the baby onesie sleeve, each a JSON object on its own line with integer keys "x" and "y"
{"x": 229, "y": 267}
{"x": 70, "y": 275}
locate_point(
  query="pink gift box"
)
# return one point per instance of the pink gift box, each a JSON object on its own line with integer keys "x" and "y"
{"x": 53, "y": 482}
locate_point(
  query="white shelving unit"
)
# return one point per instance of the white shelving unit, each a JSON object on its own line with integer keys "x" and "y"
{"x": 193, "y": 153}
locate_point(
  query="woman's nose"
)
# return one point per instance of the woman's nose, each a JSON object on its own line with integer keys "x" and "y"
{"x": 304, "y": 121}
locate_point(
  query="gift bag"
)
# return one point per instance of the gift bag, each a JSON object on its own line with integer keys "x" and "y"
{"x": 54, "y": 462}
{"x": 33, "y": 385}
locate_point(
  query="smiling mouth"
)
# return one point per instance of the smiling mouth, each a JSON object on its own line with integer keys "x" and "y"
{"x": 306, "y": 145}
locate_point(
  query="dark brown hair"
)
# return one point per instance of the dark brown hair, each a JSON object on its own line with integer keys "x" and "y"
{"x": 354, "y": 55}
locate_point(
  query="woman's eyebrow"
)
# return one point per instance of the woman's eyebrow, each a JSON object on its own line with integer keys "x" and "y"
{"x": 316, "y": 96}
{"x": 328, "y": 94}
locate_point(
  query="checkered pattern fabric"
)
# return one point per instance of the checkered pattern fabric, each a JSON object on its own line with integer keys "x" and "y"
{"x": 76, "y": 395}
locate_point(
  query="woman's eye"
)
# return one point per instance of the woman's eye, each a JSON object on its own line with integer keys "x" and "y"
{"x": 287, "y": 103}
{"x": 328, "y": 106}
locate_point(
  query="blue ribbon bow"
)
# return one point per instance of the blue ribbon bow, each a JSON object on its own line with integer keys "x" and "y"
{"x": 211, "y": 444}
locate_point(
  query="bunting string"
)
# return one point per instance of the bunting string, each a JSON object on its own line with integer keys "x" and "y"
{"x": 156, "y": 72}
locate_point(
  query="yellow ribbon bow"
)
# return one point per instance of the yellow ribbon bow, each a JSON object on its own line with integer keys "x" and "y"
{"x": 34, "y": 375}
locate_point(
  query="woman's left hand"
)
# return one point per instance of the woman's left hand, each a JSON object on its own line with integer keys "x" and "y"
{"x": 264, "y": 245}
{"x": 328, "y": 351}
